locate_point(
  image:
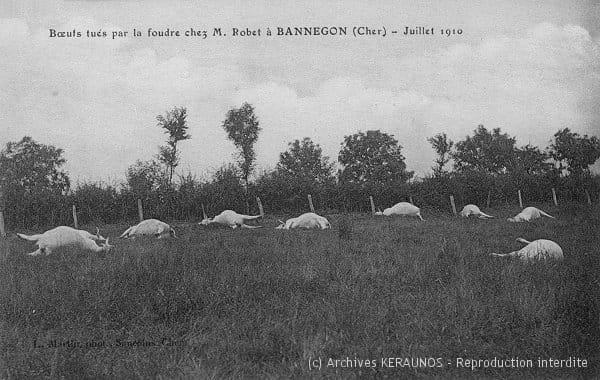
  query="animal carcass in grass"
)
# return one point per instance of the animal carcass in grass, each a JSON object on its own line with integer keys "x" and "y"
{"x": 64, "y": 236}
{"x": 402, "y": 208}
{"x": 153, "y": 227}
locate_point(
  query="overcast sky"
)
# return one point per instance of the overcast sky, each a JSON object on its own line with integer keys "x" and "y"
{"x": 527, "y": 67}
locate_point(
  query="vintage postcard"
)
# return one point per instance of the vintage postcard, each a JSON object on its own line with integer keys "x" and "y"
{"x": 299, "y": 189}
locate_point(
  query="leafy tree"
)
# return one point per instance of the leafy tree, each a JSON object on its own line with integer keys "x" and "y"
{"x": 531, "y": 161}
{"x": 29, "y": 167}
{"x": 372, "y": 158}
{"x": 304, "y": 159}
{"x": 443, "y": 148}
{"x": 485, "y": 151}
{"x": 32, "y": 183}
{"x": 574, "y": 153}
{"x": 174, "y": 123}
{"x": 145, "y": 177}
{"x": 242, "y": 129}
{"x": 225, "y": 190}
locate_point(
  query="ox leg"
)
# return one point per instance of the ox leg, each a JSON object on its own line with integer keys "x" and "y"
{"x": 247, "y": 226}
{"x": 37, "y": 252}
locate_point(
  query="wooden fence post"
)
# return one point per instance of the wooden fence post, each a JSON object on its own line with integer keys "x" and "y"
{"x": 2, "y": 230}
{"x": 410, "y": 200}
{"x": 140, "y": 210}
{"x": 453, "y": 205}
{"x": 554, "y": 197}
{"x": 75, "y": 223}
{"x": 310, "y": 204}
{"x": 260, "y": 206}
{"x": 372, "y": 204}
{"x": 589, "y": 199}
{"x": 520, "y": 199}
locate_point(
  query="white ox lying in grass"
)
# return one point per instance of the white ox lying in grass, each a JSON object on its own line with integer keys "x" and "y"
{"x": 64, "y": 236}
{"x": 528, "y": 214}
{"x": 470, "y": 209}
{"x": 402, "y": 208}
{"x": 308, "y": 220}
{"x": 232, "y": 219}
{"x": 536, "y": 250}
{"x": 149, "y": 227}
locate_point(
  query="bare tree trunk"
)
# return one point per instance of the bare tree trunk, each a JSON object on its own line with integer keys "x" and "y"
{"x": 246, "y": 195}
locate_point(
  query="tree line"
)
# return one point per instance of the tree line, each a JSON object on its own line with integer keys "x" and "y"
{"x": 487, "y": 166}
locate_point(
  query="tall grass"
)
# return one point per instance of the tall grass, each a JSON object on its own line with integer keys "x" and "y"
{"x": 237, "y": 303}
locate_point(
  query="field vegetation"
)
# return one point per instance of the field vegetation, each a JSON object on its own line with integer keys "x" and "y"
{"x": 222, "y": 303}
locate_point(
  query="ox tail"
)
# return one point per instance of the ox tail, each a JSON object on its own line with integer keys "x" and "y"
{"x": 484, "y": 215}
{"x": 546, "y": 214}
{"x": 126, "y": 233}
{"x": 29, "y": 237}
{"x": 248, "y": 217}
{"x": 521, "y": 240}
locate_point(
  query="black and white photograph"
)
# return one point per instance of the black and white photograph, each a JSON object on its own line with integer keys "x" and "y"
{"x": 299, "y": 189}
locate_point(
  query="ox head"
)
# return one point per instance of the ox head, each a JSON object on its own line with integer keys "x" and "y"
{"x": 379, "y": 212}
{"x": 281, "y": 225}
{"x": 172, "y": 233}
{"x": 206, "y": 221}
{"x": 105, "y": 248}
{"x": 98, "y": 236}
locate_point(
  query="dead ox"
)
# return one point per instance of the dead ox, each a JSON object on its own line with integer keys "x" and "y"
{"x": 64, "y": 236}
{"x": 232, "y": 219}
{"x": 149, "y": 227}
{"x": 470, "y": 209}
{"x": 541, "y": 249}
{"x": 528, "y": 214}
{"x": 402, "y": 208}
{"x": 309, "y": 220}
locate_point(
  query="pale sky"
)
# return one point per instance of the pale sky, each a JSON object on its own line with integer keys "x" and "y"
{"x": 527, "y": 67}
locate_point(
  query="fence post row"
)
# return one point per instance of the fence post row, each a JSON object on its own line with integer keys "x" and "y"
{"x": 75, "y": 223}
{"x": 453, "y": 205}
{"x": 310, "y": 204}
{"x": 140, "y": 210}
{"x": 372, "y": 204}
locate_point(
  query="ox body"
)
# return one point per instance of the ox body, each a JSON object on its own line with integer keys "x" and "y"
{"x": 152, "y": 227}
{"x": 310, "y": 220}
{"x": 528, "y": 214}
{"x": 471, "y": 209}
{"x": 541, "y": 249}
{"x": 402, "y": 208}
{"x": 232, "y": 219}
{"x": 64, "y": 236}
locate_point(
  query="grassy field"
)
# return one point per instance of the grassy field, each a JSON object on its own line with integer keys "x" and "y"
{"x": 222, "y": 303}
